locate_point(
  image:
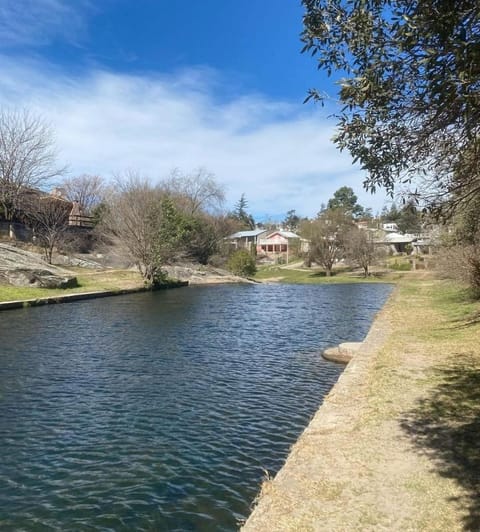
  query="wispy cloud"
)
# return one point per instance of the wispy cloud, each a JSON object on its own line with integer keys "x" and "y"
{"x": 277, "y": 153}
{"x": 38, "y": 22}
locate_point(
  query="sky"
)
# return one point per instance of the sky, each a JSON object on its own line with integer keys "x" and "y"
{"x": 157, "y": 85}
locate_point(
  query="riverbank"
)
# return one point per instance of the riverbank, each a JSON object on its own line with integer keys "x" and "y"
{"x": 82, "y": 296}
{"x": 394, "y": 445}
{"x": 103, "y": 283}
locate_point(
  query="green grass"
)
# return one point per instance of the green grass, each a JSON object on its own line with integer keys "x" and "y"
{"x": 88, "y": 282}
{"x": 312, "y": 276}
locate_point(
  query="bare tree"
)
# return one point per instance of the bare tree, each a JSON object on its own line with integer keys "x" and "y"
{"x": 48, "y": 217}
{"x": 131, "y": 206}
{"x": 27, "y": 157}
{"x": 327, "y": 237}
{"x": 195, "y": 191}
{"x": 360, "y": 249}
{"x": 88, "y": 190}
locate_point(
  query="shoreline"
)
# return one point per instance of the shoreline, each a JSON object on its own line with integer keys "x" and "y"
{"x": 81, "y": 296}
{"x": 394, "y": 444}
{"x": 274, "y": 508}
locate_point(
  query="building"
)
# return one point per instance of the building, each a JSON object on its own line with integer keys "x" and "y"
{"x": 246, "y": 239}
{"x": 281, "y": 245}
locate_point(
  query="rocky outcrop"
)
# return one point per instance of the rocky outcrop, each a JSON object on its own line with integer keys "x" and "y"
{"x": 196, "y": 274}
{"x": 24, "y": 268}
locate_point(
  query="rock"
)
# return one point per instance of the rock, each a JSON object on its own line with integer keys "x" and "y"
{"x": 66, "y": 260}
{"x": 24, "y": 268}
{"x": 196, "y": 274}
{"x": 343, "y": 353}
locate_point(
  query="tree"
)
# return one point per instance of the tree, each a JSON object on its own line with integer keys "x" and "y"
{"x": 460, "y": 256}
{"x": 391, "y": 214}
{"x": 327, "y": 237}
{"x": 242, "y": 263}
{"x": 409, "y": 89}
{"x": 291, "y": 221}
{"x": 200, "y": 198}
{"x": 154, "y": 227}
{"x": 195, "y": 191}
{"x": 344, "y": 198}
{"x": 27, "y": 158}
{"x": 206, "y": 233}
{"x": 409, "y": 219}
{"x": 360, "y": 249}
{"x": 134, "y": 215}
{"x": 241, "y": 215}
{"x": 48, "y": 217}
{"x": 88, "y": 190}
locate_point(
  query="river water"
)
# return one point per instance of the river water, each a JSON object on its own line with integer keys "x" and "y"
{"x": 162, "y": 411}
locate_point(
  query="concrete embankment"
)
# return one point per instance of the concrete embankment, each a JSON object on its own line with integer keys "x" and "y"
{"x": 69, "y": 298}
{"x": 288, "y": 502}
{"x": 395, "y": 444}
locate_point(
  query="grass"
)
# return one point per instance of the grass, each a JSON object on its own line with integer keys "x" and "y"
{"x": 427, "y": 381}
{"x": 89, "y": 281}
{"x": 301, "y": 275}
{"x": 405, "y": 444}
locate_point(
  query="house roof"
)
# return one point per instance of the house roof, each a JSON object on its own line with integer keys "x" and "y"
{"x": 245, "y": 234}
{"x": 287, "y": 234}
{"x": 397, "y": 238}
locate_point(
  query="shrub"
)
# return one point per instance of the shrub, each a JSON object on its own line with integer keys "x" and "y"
{"x": 242, "y": 263}
{"x": 400, "y": 266}
{"x": 462, "y": 262}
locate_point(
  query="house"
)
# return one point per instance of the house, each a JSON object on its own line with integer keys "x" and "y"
{"x": 246, "y": 239}
{"x": 396, "y": 242}
{"x": 390, "y": 227}
{"x": 419, "y": 243}
{"x": 281, "y": 245}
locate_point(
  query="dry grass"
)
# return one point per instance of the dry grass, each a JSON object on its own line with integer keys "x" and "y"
{"x": 88, "y": 282}
{"x": 395, "y": 445}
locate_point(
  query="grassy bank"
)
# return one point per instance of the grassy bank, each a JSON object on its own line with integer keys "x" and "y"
{"x": 89, "y": 281}
{"x": 396, "y": 445}
{"x": 302, "y": 275}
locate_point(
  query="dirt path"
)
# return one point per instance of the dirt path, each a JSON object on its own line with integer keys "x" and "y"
{"x": 394, "y": 446}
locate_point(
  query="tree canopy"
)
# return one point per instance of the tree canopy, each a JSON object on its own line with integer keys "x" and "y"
{"x": 344, "y": 198}
{"x": 291, "y": 220}
{"x": 27, "y": 157}
{"x": 410, "y": 91}
{"x": 241, "y": 215}
{"x": 327, "y": 237}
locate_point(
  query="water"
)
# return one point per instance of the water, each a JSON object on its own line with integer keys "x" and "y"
{"x": 161, "y": 411}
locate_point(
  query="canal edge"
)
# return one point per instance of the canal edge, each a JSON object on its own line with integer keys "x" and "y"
{"x": 273, "y": 504}
{"x": 82, "y": 296}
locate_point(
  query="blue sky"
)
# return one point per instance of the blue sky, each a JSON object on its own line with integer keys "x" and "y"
{"x": 153, "y": 85}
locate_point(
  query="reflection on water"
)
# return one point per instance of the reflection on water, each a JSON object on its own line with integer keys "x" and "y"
{"x": 161, "y": 411}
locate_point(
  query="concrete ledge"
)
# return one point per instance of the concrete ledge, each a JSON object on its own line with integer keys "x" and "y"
{"x": 343, "y": 353}
{"x": 291, "y": 501}
{"x": 68, "y": 298}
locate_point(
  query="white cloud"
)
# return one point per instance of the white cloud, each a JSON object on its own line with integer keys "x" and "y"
{"x": 37, "y": 22}
{"x": 277, "y": 153}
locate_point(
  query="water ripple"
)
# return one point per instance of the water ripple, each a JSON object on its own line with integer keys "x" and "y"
{"x": 161, "y": 411}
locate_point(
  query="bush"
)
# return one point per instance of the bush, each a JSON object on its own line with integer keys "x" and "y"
{"x": 401, "y": 266}
{"x": 242, "y": 263}
{"x": 463, "y": 264}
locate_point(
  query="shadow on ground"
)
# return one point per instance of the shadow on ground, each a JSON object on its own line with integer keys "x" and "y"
{"x": 446, "y": 426}
{"x": 472, "y": 319}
